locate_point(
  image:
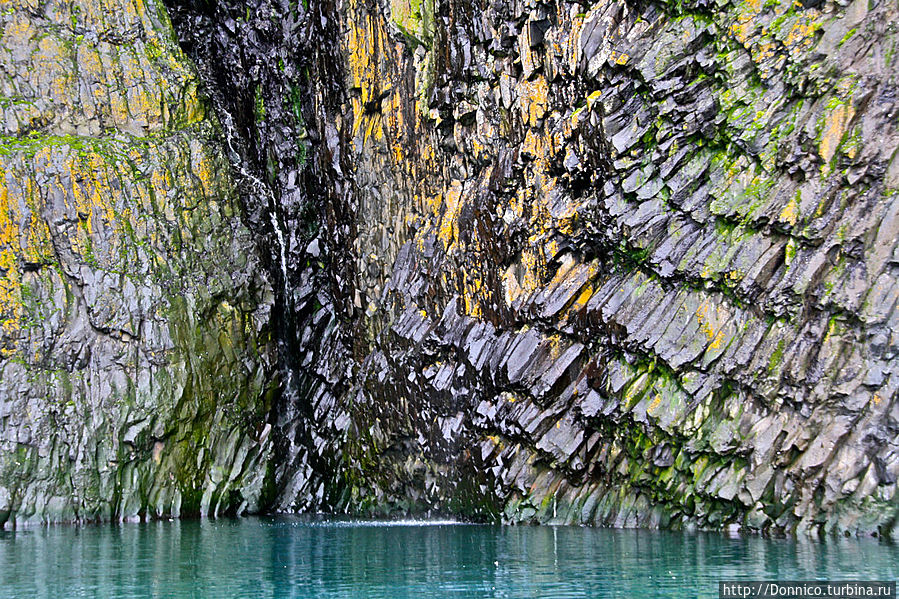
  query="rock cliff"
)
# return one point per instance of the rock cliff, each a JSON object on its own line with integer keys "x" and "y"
{"x": 136, "y": 370}
{"x": 621, "y": 263}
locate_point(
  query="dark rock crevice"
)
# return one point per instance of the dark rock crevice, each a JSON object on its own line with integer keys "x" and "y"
{"x": 271, "y": 73}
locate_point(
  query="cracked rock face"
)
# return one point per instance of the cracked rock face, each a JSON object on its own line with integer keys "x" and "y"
{"x": 623, "y": 263}
{"x": 645, "y": 272}
{"x": 135, "y": 368}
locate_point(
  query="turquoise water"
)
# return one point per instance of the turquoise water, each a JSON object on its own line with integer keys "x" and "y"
{"x": 284, "y": 558}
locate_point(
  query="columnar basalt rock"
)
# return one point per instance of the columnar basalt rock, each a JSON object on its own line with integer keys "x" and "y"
{"x": 135, "y": 363}
{"x": 647, "y": 273}
{"x": 623, "y": 263}
{"x": 628, "y": 263}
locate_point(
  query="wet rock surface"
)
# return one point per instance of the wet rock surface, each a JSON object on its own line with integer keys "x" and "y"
{"x": 136, "y": 369}
{"x": 623, "y": 263}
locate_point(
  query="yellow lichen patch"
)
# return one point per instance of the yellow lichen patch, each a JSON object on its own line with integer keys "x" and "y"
{"x": 144, "y": 108}
{"x": 619, "y": 58}
{"x": 790, "y": 212}
{"x": 51, "y": 56}
{"x": 656, "y": 402}
{"x": 36, "y": 245}
{"x": 717, "y": 341}
{"x": 566, "y": 222}
{"x": 533, "y": 100}
{"x": 554, "y": 347}
{"x": 89, "y": 65}
{"x": 802, "y": 34}
{"x": 140, "y": 11}
{"x": 10, "y": 293}
{"x": 363, "y": 47}
{"x": 742, "y": 27}
{"x": 533, "y": 144}
{"x": 92, "y": 191}
{"x": 10, "y": 279}
{"x": 92, "y": 69}
{"x": 836, "y": 123}
{"x": 761, "y": 55}
{"x": 472, "y": 290}
{"x": 161, "y": 182}
{"x": 19, "y": 31}
{"x": 203, "y": 168}
{"x": 552, "y": 248}
{"x": 535, "y": 197}
{"x": 392, "y": 121}
{"x": 375, "y": 128}
{"x": 711, "y": 323}
{"x": 583, "y": 298}
{"x": 534, "y": 268}
{"x": 448, "y": 229}
{"x": 586, "y": 293}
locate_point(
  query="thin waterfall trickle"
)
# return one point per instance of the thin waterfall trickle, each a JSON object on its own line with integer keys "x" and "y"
{"x": 260, "y": 188}
{"x": 262, "y": 68}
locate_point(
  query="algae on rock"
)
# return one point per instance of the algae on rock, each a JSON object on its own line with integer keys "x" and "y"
{"x": 628, "y": 264}
{"x": 136, "y": 374}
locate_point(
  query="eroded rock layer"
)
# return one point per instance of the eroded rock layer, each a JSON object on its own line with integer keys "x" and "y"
{"x": 136, "y": 370}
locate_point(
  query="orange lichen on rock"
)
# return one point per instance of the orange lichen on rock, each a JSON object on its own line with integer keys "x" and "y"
{"x": 10, "y": 277}
{"x": 802, "y": 34}
{"x": 836, "y": 124}
{"x": 711, "y": 321}
{"x": 448, "y": 229}
{"x": 533, "y": 100}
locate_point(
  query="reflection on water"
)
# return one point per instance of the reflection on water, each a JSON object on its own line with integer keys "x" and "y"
{"x": 288, "y": 557}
